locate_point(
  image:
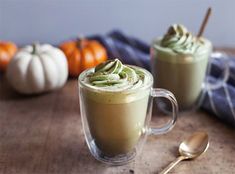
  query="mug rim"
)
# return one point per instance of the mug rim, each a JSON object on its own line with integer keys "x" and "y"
{"x": 188, "y": 57}
{"x": 126, "y": 91}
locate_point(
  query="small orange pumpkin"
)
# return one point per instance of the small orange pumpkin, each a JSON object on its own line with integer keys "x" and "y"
{"x": 82, "y": 54}
{"x": 7, "y": 51}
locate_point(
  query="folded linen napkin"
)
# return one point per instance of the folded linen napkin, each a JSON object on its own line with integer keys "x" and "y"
{"x": 220, "y": 102}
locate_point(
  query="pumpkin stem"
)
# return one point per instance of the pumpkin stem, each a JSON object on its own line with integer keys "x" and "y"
{"x": 81, "y": 42}
{"x": 35, "y": 47}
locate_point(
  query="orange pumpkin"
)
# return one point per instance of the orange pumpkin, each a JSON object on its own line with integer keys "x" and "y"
{"x": 7, "y": 51}
{"x": 82, "y": 54}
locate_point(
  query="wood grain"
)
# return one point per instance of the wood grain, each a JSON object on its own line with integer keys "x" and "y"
{"x": 43, "y": 135}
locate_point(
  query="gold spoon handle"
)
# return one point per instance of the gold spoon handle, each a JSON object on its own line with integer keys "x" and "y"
{"x": 172, "y": 164}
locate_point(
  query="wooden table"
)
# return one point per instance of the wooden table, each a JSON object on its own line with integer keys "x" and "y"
{"x": 43, "y": 134}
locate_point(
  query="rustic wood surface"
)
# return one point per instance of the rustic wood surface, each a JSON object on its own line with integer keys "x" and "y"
{"x": 43, "y": 135}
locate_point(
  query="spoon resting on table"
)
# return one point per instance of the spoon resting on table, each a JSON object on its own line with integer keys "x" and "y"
{"x": 191, "y": 148}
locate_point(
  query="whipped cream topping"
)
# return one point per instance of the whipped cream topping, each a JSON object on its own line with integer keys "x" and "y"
{"x": 112, "y": 75}
{"x": 180, "y": 40}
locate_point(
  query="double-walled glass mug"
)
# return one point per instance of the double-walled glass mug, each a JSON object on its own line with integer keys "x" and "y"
{"x": 117, "y": 123}
{"x": 185, "y": 74}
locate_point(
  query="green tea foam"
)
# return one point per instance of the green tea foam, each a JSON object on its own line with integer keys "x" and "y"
{"x": 113, "y": 82}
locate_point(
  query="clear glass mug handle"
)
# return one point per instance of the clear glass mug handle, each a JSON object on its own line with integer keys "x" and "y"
{"x": 159, "y": 92}
{"x": 219, "y": 82}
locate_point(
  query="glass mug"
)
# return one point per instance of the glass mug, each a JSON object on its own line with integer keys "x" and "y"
{"x": 185, "y": 76}
{"x": 116, "y": 124}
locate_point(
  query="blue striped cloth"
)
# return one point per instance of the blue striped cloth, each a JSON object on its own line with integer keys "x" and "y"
{"x": 219, "y": 102}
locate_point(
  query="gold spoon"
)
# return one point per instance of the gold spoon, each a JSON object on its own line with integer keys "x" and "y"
{"x": 191, "y": 148}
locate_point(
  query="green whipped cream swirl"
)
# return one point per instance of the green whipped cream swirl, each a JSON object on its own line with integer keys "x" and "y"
{"x": 113, "y": 74}
{"x": 180, "y": 40}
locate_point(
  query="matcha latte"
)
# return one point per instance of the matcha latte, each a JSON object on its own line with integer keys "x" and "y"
{"x": 179, "y": 64}
{"x": 115, "y": 99}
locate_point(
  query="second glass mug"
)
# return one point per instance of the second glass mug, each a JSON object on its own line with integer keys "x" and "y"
{"x": 187, "y": 77}
{"x": 116, "y": 132}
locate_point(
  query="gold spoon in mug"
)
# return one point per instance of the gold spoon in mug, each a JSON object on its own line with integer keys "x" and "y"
{"x": 191, "y": 148}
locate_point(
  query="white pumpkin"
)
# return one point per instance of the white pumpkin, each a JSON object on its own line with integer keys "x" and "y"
{"x": 37, "y": 68}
